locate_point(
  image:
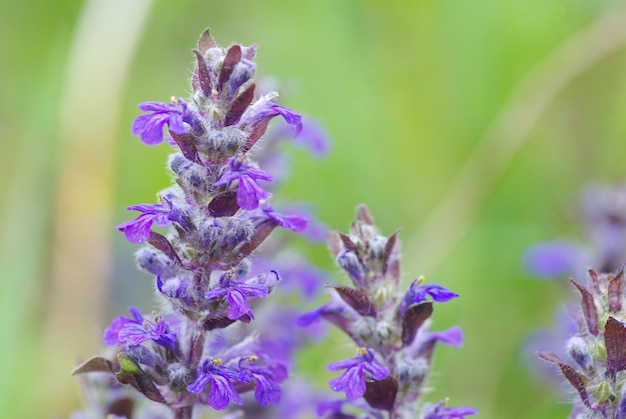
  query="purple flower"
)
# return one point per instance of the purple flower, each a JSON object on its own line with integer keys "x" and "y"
{"x": 138, "y": 230}
{"x": 267, "y": 389}
{"x": 554, "y": 259}
{"x": 249, "y": 192}
{"x": 440, "y": 411}
{"x": 222, "y": 390}
{"x": 133, "y": 332}
{"x": 313, "y": 137}
{"x": 295, "y": 223}
{"x": 417, "y": 294}
{"x": 352, "y": 381}
{"x": 237, "y": 293}
{"x": 149, "y": 127}
{"x": 264, "y": 109}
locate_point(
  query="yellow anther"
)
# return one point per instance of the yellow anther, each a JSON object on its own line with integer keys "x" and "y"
{"x": 272, "y": 96}
{"x": 174, "y": 100}
{"x": 229, "y": 273}
{"x": 160, "y": 198}
{"x": 242, "y": 157}
{"x": 420, "y": 280}
{"x": 145, "y": 323}
{"x": 217, "y": 361}
{"x": 446, "y": 401}
{"x": 253, "y": 358}
{"x": 362, "y": 351}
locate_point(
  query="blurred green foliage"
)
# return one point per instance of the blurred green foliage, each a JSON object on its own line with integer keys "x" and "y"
{"x": 407, "y": 89}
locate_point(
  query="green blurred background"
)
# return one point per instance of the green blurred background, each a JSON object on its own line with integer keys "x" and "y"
{"x": 471, "y": 124}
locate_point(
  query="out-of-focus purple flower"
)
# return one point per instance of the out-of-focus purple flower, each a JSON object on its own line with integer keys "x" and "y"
{"x": 249, "y": 192}
{"x": 236, "y": 293}
{"x": 127, "y": 331}
{"x": 220, "y": 377}
{"x": 295, "y": 223}
{"x": 417, "y": 294}
{"x": 552, "y": 340}
{"x": 554, "y": 259}
{"x": 315, "y": 230}
{"x": 313, "y": 137}
{"x": 149, "y": 127}
{"x": 441, "y": 411}
{"x": 352, "y": 381}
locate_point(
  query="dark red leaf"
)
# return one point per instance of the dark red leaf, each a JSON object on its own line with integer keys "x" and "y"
{"x": 233, "y": 56}
{"x": 160, "y": 242}
{"x": 363, "y": 215}
{"x": 204, "y": 77}
{"x": 389, "y": 251}
{"x": 615, "y": 341}
{"x": 206, "y": 41}
{"x": 413, "y": 319}
{"x": 589, "y": 308}
{"x": 616, "y": 292}
{"x": 348, "y": 244}
{"x": 95, "y": 364}
{"x": 261, "y": 232}
{"x": 218, "y": 319}
{"x": 224, "y": 204}
{"x": 187, "y": 147}
{"x": 381, "y": 394}
{"x": 255, "y": 135}
{"x": 240, "y": 104}
{"x": 570, "y": 373}
{"x": 132, "y": 374}
{"x": 356, "y": 299}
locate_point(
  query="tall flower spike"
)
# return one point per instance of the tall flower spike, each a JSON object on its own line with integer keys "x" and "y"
{"x": 390, "y": 327}
{"x": 199, "y": 354}
{"x": 598, "y": 350}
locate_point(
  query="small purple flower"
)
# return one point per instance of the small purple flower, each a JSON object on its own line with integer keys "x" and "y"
{"x": 249, "y": 192}
{"x": 352, "y": 381}
{"x": 220, "y": 377}
{"x": 138, "y": 230}
{"x": 295, "y": 223}
{"x": 264, "y": 109}
{"x": 440, "y": 411}
{"x": 237, "y": 293}
{"x": 149, "y": 127}
{"x": 133, "y": 332}
{"x": 417, "y": 294}
{"x": 267, "y": 389}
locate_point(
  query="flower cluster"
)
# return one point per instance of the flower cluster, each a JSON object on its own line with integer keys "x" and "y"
{"x": 389, "y": 328}
{"x": 217, "y": 214}
{"x": 598, "y": 350}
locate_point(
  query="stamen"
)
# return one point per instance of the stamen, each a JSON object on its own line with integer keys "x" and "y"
{"x": 217, "y": 361}
{"x": 253, "y": 358}
{"x": 419, "y": 280}
{"x": 362, "y": 351}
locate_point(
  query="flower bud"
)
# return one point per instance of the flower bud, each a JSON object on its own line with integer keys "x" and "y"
{"x": 577, "y": 349}
{"x": 349, "y": 262}
{"x": 155, "y": 263}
